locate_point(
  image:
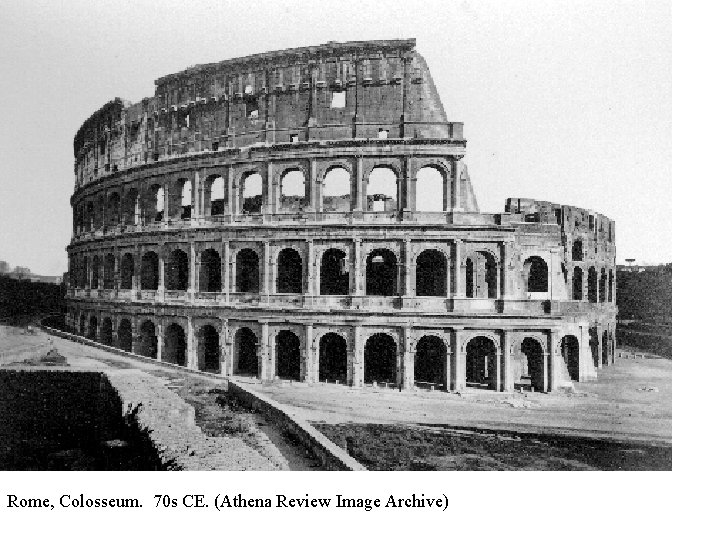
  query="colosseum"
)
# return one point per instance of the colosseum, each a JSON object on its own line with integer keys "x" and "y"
{"x": 306, "y": 215}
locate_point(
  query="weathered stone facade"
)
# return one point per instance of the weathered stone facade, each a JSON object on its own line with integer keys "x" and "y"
{"x": 260, "y": 217}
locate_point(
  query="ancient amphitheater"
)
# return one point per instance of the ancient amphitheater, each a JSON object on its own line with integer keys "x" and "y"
{"x": 306, "y": 215}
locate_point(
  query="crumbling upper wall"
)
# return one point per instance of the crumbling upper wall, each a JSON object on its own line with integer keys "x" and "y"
{"x": 365, "y": 89}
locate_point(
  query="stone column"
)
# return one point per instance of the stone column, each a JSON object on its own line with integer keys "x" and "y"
{"x": 226, "y": 271}
{"x": 310, "y": 269}
{"x": 552, "y": 360}
{"x": 408, "y": 361}
{"x": 312, "y": 191}
{"x": 507, "y": 363}
{"x": 458, "y": 289}
{"x": 231, "y": 205}
{"x": 458, "y": 372}
{"x": 137, "y": 285}
{"x": 266, "y": 271}
{"x": 160, "y": 333}
{"x": 166, "y": 203}
{"x": 357, "y": 359}
{"x": 116, "y": 273}
{"x": 358, "y": 266}
{"x": 226, "y": 352}
{"x": 161, "y": 276}
{"x": 268, "y": 206}
{"x": 191, "y": 358}
{"x": 408, "y": 274}
{"x": 197, "y": 199}
{"x": 267, "y": 364}
{"x": 309, "y": 369}
{"x": 358, "y": 203}
{"x": 192, "y": 278}
{"x": 456, "y": 188}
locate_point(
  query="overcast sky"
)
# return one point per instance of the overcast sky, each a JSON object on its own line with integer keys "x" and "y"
{"x": 562, "y": 101}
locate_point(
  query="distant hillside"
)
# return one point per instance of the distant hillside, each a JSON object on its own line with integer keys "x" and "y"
{"x": 645, "y": 293}
{"x": 21, "y": 300}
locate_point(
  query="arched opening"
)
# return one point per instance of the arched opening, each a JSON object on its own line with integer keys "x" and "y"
{"x": 431, "y": 274}
{"x": 246, "y": 358}
{"x": 380, "y": 357}
{"x": 336, "y": 191}
{"x": 289, "y": 272}
{"x": 381, "y": 273}
{"x": 125, "y": 335}
{"x": 149, "y": 271}
{"x": 130, "y": 207}
{"x": 210, "y": 271}
{"x": 106, "y": 331}
{"x": 592, "y": 285}
{"x": 483, "y": 282}
{"x": 147, "y": 344}
{"x": 92, "y": 328}
{"x": 430, "y": 358}
{"x": 333, "y": 358}
{"x": 611, "y": 286}
{"x": 208, "y": 349}
{"x": 217, "y": 196}
{"x": 287, "y": 355}
{"x": 127, "y": 269}
{"x": 382, "y": 190}
{"x": 481, "y": 363}
{"x": 292, "y": 191}
{"x": 430, "y": 190}
{"x": 570, "y": 350}
{"x": 175, "y": 346}
{"x": 594, "y": 346}
{"x": 95, "y": 273}
{"x": 247, "y": 271}
{"x": 334, "y": 275}
{"x": 532, "y": 364}
{"x": 85, "y": 273}
{"x": 89, "y": 217}
{"x": 252, "y": 194}
{"x": 109, "y": 272}
{"x": 186, "y": 198}
{"x": 603, "y": 285}
{"x": 81, "y": 325}
{"x": 112, "y": 212}
{"x": 577, "y": 250}
{"x": 176, "y": 271}
{"x": 536, "y": 271}
{"x": 605, "y": 347}
{"x": 577, "y": 284}
{"x": 158, "y": 203}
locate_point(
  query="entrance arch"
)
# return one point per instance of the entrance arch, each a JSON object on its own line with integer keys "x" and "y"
{"x": 246, "y": 358}
{"x": 289, "y": 272}
{"x": 208, "y": 349}
{"x": 92, "y": 328}
{"x": 431, "y": 274}
{"x": 287, "y": 355}
{"x": 147, "y": 345}
{"x": 247, "y": 276}
{"x": 210, "y": 271}
{"x": 177, "y": 271}
{"x": 570, "y": 350}
{"x": 430, "y": 360}
{"x": 380, "y": 357}
{"x": 381, "y": 273}
{"x": 532, "y": 364}
{"x": 106, "y": 331}
{"x": 125, "y": 335}
{"x": 481, "y": 363}
{"x": 333, "y": 358}
{"x": 127, "y": 269}
{"x": 149, "y": 275}
{"x": 175, "y": 348}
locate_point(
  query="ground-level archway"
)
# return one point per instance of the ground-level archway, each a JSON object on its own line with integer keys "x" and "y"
{"x": 481, "y": 363}
{"x": 147, "y": 344}
{"x": 125, "y": 335}
{"x": 531, "y": 368}
{"x": 430, "y": 362}
{"x": 208, "y": 349}
{"x": 332, "y": 358}
{"x": 380, "y": 356}
{"x": 92, "y": 328}
{"x": 106, "y": 331}
{"x": 287, "y": 355}
{"x": 334, "y": 275}
{"x": 246, "y": 357}
{"x": 175, "y": 346}
{"x": 381, "y": 273}
{"x": 570, "y": 350}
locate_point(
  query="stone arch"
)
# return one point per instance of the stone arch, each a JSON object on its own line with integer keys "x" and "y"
{"x": 605, "y": 347}
{"x": 481, "y": 275}
{"x": 181, "y": 201}
{"x": 92, "y": 328}
{"x": 147, "y": 342}
{"x": 430, "y": 189}
{"x": 577, "y": 283}
{"x": 293, "y": 190}
{"x": 570, "y": 352}
{"x": 112, "y": 211}
{"x": 577, "y": 250}
{"x": 125, "y": 336}
{"x": 611, "y": 285}
{"x": 247, "y": 271}
{"x": 430, "y": 362}
{"x": 532, "y": 364}
{"x": 175, "y": 345}
{"x": 287, "y": 355}
{"x": 208, "y": 349}
{"x": 106, "y": 331}
{"x": 289, "y": 272}
{"x": 334, "y": 273}
{"x": 149, "y": 271}
{"x": 210, "y": 271}
{"x": 382, "y": 189}
{"x": 431, "y": 273}
{"x": 537, "y": 276}
{"x": 89, "y": 216}
{"x": 603, "y": 286}
{"x": 82, "y": 324}
{"x": 177, "y": 271}
{"x": 332, "y": 358}
{"x": 252, "y": 192}
{"x": 127, "y": 271}
{"x": 336, "y": 190}
{"x": 131, "y": 208}
{"x": 380, "y": 358}
{"x": 216, "y": 194}
{"x": 246, "y": 353}
{"x": 594, "y": 343}
{"x": 156, "y": 203}
{"x": 481, "y": 363}
{"x": 109, "y": 271}
{"x": 96, "y": 265}
{"x": 381, "y": 273}
{"x": 592, "y": 285}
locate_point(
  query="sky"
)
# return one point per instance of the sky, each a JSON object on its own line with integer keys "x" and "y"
{"x": 566, "y": 101}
